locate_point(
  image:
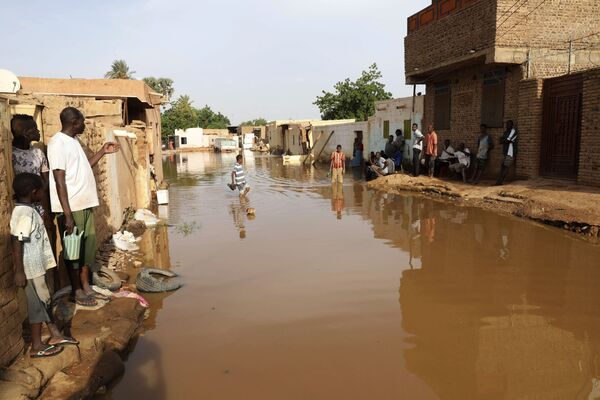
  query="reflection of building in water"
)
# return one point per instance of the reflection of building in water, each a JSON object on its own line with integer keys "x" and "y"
{"x": 490, "y": 310}
{"x": 498, "y": 308}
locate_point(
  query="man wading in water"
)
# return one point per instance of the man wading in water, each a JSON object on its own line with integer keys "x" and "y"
{"x": 73, "y": 195}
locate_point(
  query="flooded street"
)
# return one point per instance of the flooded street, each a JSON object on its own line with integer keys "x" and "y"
{"x": 343, "y": 293}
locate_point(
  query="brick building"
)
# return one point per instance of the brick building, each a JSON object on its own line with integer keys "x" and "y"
{"x": 488, "y": 61}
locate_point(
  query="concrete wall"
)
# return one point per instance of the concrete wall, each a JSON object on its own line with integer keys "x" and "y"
{"x": 396, "y": 111}
{"x": 343, "y": 135}
{"x": 194, "y": 138}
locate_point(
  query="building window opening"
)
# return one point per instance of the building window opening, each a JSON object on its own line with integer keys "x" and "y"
{"x": 492, "y": 98}
{"x": 441, "y": 118}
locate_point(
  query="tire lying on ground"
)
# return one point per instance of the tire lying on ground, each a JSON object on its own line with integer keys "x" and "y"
{"x": 147, "y": 282}
{"x": 107, "y": 279}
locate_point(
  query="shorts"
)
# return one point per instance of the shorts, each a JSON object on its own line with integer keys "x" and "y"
{"x": 481, "y": 163}
{"x": 84, "y": 221}
{"x": 430, "y": 161}
{"x": 508, "y": 161}
{"x": 242, "y": 186}
{"x": 337, "y": 175}
{"x": 38, "y": 300}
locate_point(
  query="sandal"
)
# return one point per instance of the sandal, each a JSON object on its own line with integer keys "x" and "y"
{"x": 64, "y": 342}
{"x": 86, "y": 301}
{"x": 47, "y": 352}
{"x": 99, "y": 296}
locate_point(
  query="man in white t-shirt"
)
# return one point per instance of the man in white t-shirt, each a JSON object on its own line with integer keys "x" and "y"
{"x": 73, "y": 195}
{"x": 417, "y": 140}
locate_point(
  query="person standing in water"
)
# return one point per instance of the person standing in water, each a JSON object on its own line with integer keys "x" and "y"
{"x": 338, "y": 165}
{"x": 238, "y": 177}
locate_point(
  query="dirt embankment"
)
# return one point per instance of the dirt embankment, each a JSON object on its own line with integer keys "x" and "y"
{"x": 79, "y": 371}
{"x": 572, "y": 207}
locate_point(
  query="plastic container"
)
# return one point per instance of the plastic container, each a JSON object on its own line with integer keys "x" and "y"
{"x": 72, "y": 245}
{"x": 162, "y": 196}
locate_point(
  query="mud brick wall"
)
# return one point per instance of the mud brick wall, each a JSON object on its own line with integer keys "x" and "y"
{"x": 465, "y": 111}
{"x": 451, "y": 37}
{"x": 530, "y": 127}
{"x": 11, "y": 307}
{"x": 98, "y": 115}
{"x": 589, "y": 159}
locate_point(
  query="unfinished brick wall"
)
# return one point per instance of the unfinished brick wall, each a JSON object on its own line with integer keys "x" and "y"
{"x": 530, "y": 127}
{"x": 451, "y": 37}
{"x": 11, "y": 315}
{"x": 465, "y": 111}
{"x": 589, "y": 159}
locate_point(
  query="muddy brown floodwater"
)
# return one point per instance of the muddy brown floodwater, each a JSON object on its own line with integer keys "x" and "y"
{"x": 343, "y": 293}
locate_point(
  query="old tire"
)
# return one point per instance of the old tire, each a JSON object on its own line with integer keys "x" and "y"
{"x": 146, "y": 282}
{"x": 107, "y": 279}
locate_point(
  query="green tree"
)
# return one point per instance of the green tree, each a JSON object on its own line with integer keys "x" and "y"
{"x": 354, "y": 99}
{"x": 255, "y": 122}
{"x": 119, "y": 70}
{"x": 161, "y": 85}
{"x": 181, "y": 115}
{"x": 207, "y": 118}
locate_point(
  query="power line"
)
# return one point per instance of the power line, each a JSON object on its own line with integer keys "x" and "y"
{"x": 511, "y": 14}
{"x": 527, "y": 16}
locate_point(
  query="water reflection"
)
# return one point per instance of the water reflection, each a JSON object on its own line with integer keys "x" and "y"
{"x": 497, "y": 308}
{"x": 337, "y": 199}
{"x": 424, "y": 300}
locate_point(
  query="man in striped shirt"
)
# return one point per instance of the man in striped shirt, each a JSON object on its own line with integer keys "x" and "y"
{"x": 338, "y": 165}
{"x": 238, "y": 177}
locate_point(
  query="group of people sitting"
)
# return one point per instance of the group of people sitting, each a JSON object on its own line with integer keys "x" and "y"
{"x": 456, "y": 161}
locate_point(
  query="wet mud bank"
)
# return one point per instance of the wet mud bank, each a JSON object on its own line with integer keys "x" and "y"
{"x": 556, "y": 203}
{"x": 79, "y": 371}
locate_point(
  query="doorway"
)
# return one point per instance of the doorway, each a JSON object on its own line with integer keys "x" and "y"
{"x": 561, "y": 126}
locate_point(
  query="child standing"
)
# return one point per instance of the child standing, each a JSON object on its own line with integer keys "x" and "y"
{"x": 238, "y": 177}
{"x": 33, "y": 256}
{"x": 337, "y": 167}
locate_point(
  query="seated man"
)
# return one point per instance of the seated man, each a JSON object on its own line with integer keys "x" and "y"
{"x": 391, "y": 166}
{"x": 446, "y": 158}
{"x": 380, "y": 165}
{"x": 463, "y": 161}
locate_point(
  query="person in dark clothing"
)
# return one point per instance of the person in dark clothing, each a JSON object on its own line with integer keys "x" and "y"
{"x": 509, "y": 150}
{"x": 390, "y": 149}
{"x": 399, "y": 149}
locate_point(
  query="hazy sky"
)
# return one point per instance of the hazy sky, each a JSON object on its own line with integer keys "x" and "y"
{"x": 247, "y": 59}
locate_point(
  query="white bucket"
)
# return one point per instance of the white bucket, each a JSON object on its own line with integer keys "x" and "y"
{"x": 162, "y": 196}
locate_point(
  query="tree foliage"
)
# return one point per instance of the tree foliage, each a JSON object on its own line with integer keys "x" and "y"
{"x": 119, "y": 70}
{"x": 182, "y": 115}
{"x": 161, "y": 85}
{"x": 255, "y": 122}
{"x": 354, "y": 99}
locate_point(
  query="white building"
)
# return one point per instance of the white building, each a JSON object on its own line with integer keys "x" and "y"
{"x": 391, "y": 115}
{"x": 190, "y": 138}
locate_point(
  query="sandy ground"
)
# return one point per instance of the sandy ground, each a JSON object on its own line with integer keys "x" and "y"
{"x": 558, "y": 203}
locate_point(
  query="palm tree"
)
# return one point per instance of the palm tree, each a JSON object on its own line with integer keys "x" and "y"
{"x": 119, "y": 70}
{"x": 161, "y": 85}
